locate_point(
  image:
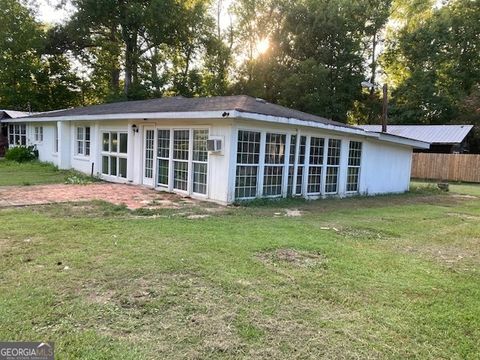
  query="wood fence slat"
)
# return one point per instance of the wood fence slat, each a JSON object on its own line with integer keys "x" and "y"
{"x": 448, "y": 167}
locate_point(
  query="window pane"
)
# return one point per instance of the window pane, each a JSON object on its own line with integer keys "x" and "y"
{"x": 200, "y": 138}
{"x": 105, "y": 162}
{"x": 275, "y": 149}
{"x": 180, "y": 175}
{"x": 106, "y": 142}
{"x": 293, "y": 148}
{"x": 316, "y": 150}
{"x": 334, "y": 146}
{"x": 314, "y": 179}
{"x": 162, "y": 172}
{"x": 123, "y": 143}
{"x": 122, "y": 168}
{"x": 163, "y": 144}
{"x": 248, "y": 147}
{"x": 272, "y": 180}
{"x": 352, "y": 179}
{"x": 246, "y": 182}
{"x": 113, "y": 142}
{"x": 113, "y": 165}
{"x": 200, "y": 178}
{"x": 80, "y": 133}
{"x": 80, "y": 147}
{"x": 355, "y": 153}
{"x": 87, "y": 133}
{"x": 180, "y": 144}
{"x": 23, "y": 129}
{"x": 331, "y": 180}
{"x": 298, "y": 191}
{"x": 149, "y": 143}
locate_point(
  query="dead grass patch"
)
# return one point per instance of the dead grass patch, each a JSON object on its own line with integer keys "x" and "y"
{"x": 292, "y": 257}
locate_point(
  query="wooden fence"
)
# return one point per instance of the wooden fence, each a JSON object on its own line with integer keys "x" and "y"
{"x": 448, "y": 167}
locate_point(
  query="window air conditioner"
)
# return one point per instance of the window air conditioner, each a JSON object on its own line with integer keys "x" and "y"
{"x": 214, "y": 145}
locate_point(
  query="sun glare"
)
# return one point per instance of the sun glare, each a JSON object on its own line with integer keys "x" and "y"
{"x": 262, "y": 46}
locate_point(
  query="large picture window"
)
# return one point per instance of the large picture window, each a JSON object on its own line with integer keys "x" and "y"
{"x": 291, "y": 164}
{"x": 316, "y": 162}
{"x": 354, "y": 161}
{"x": 82, "y": 141}
{"x": 274, "y": 160}
{"x": 17, "y": 134}
{"x": 333, "y": 166}
{"x": 114, "y": 154}
{"x": 248, "y": 156}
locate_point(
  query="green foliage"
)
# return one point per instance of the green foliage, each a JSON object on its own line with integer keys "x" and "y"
{"x": 21, "y": 154}
{"x": 30, "y": 78}
{"x": 433, "y": 64}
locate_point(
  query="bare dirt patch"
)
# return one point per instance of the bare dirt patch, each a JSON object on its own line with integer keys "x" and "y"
{"x": 292, "y": 257}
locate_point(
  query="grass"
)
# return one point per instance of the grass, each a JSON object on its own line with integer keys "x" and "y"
{"x": 35, "y": 173}
{"x": 385, "y": 277}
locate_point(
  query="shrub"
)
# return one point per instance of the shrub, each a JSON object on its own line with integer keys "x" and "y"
{"x": 21, "y": 154}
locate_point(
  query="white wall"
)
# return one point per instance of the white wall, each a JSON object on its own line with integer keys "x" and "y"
{"x": 46, "y": 150}
{"x": 385, "y": 168}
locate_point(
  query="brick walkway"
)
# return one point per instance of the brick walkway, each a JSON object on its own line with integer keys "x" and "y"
{"x": 133, "y": 197}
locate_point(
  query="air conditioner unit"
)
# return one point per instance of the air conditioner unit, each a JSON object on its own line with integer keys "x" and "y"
{"x": 215, "y": 145}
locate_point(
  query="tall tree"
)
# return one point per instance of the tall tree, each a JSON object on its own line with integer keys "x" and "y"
{"x": 30, "y": 77}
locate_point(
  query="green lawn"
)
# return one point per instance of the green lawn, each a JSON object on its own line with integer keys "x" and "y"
{"x": 387, "y": 277}
{"x": 33, "y": 173}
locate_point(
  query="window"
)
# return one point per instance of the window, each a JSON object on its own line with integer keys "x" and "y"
{"x": 291, "y": 164}
{"x": 333, "y": 165}
{"x": 301, "y": 164}
{"x": 200, "y": 158}
{"x": 163, "y": 156}
{"x": 114, "y": 154}
{"x": 353, "y": 171}
{"x": 274, "y": 160}
{"x": 149, "y": 152}
{"x": 55, "y": 140}
{"x": 17, "y": 134}
{"x": 181, "y": 141}
{"x": 248, "y": 156}
{"x": 316, "y": 163}
{"x": 83, "y": 141}
{"x": 38, "y": 134}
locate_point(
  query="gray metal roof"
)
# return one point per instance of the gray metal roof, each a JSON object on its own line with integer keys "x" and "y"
{"x": 12, "y": 114}
{"x": 434, "y": 134}
{"x": 241, "y": 103}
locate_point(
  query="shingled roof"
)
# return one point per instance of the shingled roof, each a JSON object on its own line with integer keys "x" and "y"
{"x": 240, "y": 103}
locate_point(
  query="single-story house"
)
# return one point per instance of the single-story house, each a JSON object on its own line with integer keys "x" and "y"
{"x": 4, "y": 115}
{"x": 443, "y": 139}
{"x": 220, "y": 148}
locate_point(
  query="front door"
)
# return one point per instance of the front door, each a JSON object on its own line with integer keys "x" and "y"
{"x": 148, "y": 155}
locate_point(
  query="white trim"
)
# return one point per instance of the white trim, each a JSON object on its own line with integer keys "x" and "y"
{"x": 191, "y": 115}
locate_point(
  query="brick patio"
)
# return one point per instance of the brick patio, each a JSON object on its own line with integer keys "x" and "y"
{"x": 133, "y": 197}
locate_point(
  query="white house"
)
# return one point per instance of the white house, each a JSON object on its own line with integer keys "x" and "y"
{"x": 220, "y": 148}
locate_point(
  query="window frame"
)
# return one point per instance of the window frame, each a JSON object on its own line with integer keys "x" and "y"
{"x": 84, "y": 142}
{"x": 248, "y": 166}
{"x": 336, "y": 166}
{"x": 110, "y": 154}
{"x": 17, "y": 130}
{"x": 38, "y": 134}
{"x": 358, "y": 167}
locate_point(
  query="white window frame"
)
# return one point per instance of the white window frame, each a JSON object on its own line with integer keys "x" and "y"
{"x": 334, "y": 166}
{"x": 251, "y": 165}
{"x": 17, "y": 132}
{"x": 38, "y": 134}
{"x": 190, "y": 162}
{"x": 359, "y": 167}
{"x": 280, "y": 165}
{"x": 320, "y": 166}
{"x": 55, "y": 139}
{"x": 83, "y": 141}
{"x": 113, "y": 154}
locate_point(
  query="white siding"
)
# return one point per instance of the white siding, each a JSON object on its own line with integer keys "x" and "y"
{"x": 386, "y": 168}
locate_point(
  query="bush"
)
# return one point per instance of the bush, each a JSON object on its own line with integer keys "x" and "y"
{"x": 21, "y": 154}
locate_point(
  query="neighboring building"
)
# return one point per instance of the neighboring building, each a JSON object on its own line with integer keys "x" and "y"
{"x": 220, "y": 148}
{"x": 443, "y": 139}
{"x": 5, "y": 115}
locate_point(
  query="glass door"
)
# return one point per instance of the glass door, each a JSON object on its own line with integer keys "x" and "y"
{"x": 148, "y": 151}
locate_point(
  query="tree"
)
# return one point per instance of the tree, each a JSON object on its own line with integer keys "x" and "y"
{"x": 30, "y": 78}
